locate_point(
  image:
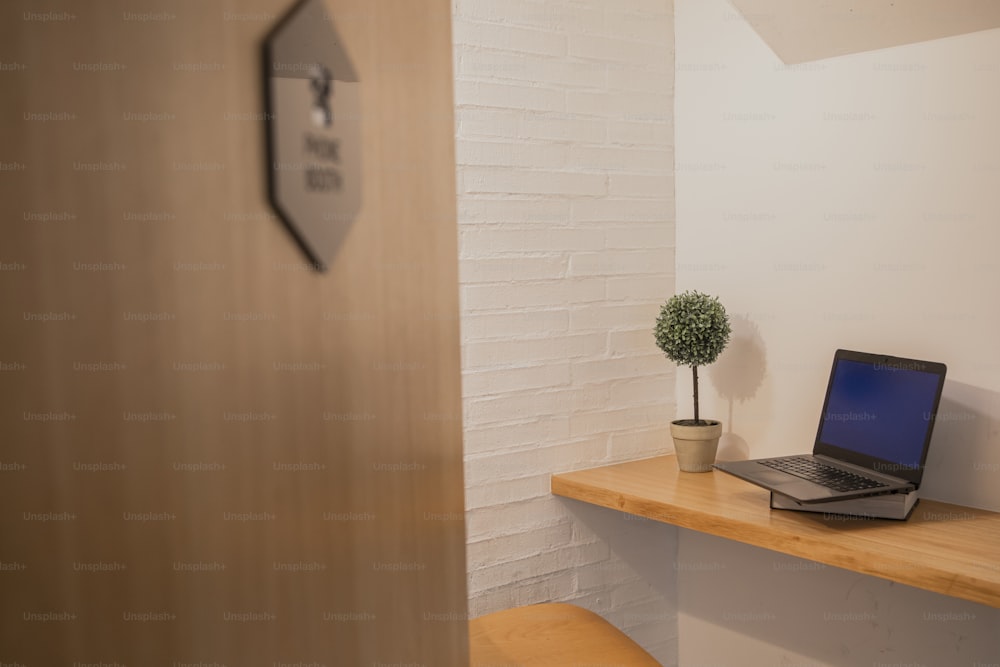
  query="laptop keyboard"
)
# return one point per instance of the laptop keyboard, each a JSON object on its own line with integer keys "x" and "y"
{"x": 820, "y": 473}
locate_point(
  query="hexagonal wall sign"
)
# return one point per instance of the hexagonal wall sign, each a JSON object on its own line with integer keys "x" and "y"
{"x": 314, "y": 130}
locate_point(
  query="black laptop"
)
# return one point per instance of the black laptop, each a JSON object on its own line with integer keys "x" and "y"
{"x": 874, "y": 432}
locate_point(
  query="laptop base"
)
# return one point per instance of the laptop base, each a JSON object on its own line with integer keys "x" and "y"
{"x": 896, "y": 506}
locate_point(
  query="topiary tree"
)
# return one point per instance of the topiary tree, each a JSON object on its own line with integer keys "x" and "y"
{"x": 692, "y": 329}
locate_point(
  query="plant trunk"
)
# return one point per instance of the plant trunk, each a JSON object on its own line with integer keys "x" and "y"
{"x": 694, "y": 372}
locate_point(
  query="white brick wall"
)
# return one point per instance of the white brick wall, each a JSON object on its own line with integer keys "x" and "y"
{"x": 565, "y": 175}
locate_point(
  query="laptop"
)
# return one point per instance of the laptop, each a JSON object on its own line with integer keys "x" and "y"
{"x": 874, "y": 432}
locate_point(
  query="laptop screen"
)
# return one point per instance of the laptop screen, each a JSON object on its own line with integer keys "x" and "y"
{"x": 879, "y": 412}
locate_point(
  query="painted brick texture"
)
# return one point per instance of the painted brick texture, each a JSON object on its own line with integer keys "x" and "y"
{"x": 566, "y": 222}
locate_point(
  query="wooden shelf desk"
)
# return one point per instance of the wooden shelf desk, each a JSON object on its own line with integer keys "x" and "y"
{"x": 943, "y": 548}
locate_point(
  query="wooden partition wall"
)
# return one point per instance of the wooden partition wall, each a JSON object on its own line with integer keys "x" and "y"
{"x": 210, "y": 454}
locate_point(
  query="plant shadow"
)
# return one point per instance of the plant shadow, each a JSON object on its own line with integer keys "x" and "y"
{"x": 737, "y": 375}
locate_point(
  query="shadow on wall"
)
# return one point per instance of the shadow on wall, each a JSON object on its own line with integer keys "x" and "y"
{"x": 963, "y": 463}
{"x": 810, "y": 613}
{"x": 635, "y": 589}
{"x": 737, "y": 375}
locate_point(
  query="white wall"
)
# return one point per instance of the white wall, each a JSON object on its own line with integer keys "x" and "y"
{"x": 849, "y": 202}
{"x": 750, "y": 607}
{"x": 565, "y": 181}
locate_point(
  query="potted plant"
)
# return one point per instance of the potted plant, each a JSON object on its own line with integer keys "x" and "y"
{"x": 692, "y": 329}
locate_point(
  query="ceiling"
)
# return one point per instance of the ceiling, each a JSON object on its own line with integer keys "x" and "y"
{"x": 802, "y": 30}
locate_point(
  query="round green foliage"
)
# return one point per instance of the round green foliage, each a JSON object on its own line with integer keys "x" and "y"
{"x": 692, "y": 328}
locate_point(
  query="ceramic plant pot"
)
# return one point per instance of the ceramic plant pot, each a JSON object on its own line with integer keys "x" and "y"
{"x": 696, "y": 445}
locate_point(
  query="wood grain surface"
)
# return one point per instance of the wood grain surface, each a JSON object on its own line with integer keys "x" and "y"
{"x": 212, "y": 454}
{"x": 551, "y": 635}
{"x": 944, "y": 548}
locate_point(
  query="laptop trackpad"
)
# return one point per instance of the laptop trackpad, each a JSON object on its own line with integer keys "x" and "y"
{"x": 774, "y": 478}
{"x": 801, "y": 490}
{"x": 783, "y": 483}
